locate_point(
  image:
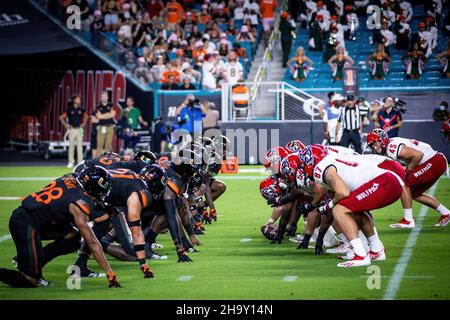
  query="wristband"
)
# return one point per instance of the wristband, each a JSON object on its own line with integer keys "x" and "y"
{"x": 139, "y": 247}
{"x": 141, "y": 262}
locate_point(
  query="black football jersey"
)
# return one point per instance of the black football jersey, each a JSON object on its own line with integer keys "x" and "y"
{"x": 124, "y": 183}
{"x": 135, "y": 166}
{"x": 51, "y": 204}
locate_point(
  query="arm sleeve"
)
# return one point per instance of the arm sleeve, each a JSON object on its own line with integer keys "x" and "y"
{"x": 171, "y": 212}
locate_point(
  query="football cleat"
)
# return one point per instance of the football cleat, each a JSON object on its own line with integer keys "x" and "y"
{"x": 404, "y": 224}
{"x": 156, "y": 256}
{"x": 297, "y": 239}
{"x": 378, "y": 256}
{"x": 14, "y": 262}
{"x": 443, "y": 220}
{"x": 44, "y": 283}
{"x": 357, "y": 261}
{"x": 340, "y": 249}
{"x": 156, "y": 246}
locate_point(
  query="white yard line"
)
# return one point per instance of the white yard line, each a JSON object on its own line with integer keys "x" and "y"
{"x": 5, "y": 238}
{"x": 289, "y": 278}
{"x": 27, "y": 178}
{"x": 185, "y": 278}
{"x": 10, "y": 198}
{"x": 402, "y": 264}
{"x": 246, "y": 240}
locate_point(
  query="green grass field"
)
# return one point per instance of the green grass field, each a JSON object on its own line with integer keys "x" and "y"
{"x": 226, "y": 268}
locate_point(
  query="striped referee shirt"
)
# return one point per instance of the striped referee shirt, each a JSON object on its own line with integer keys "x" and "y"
{"x": 350, "y": 118}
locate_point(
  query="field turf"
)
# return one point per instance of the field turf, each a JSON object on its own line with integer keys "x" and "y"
{"x": 226, "y": 268}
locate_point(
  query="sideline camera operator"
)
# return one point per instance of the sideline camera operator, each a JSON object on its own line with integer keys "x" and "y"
{"x": 390, "y": 117}
{"x": 190, "y": 114}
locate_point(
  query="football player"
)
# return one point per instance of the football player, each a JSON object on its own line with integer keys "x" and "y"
{"x": 358, "y": 187}
{"x": 446, "y": 131}
{"x": 52, "y": 210}
{"x": 424, "y": 166}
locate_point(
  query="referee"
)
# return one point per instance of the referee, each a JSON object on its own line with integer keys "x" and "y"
{"x": 74, "y": 119}
{"x": 350, "y": 120}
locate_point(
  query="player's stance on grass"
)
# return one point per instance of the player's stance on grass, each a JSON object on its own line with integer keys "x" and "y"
{"x": 358, "y": 186}
{"x": 424, "y": 166}
{"x": 48, "y": 215}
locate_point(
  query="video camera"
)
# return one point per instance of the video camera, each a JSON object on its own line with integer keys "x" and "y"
{"x": 399, "y": 104}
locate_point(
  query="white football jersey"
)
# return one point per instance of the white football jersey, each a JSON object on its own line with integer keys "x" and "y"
{"x": 395, "y": 144}
{"x": 341, "y": 150}
{"x": 233, "y": 71}
{"x": 353, "y": 171}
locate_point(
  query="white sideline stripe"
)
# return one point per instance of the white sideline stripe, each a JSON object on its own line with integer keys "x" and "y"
{"x": 10, "y": 198}
{"x": 185, "y": 278}
{"x": 5, "y": 237}
{"x": 290, "y": 278}
{"x": 402, "y": 264}
{"x": 246, "y": 240}
{"x": 27, "y": 178}
{"x": 261, "y": 170}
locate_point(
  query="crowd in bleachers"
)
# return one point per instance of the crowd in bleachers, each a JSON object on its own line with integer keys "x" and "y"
{"x": 407, "y": 41}
{"x": 179, "y": 44}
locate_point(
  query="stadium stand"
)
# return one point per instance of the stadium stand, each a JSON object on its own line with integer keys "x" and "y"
{"x": 320, "y": 76}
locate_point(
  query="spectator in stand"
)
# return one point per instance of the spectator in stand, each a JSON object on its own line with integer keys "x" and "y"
{"x": 233, "y": 69}
{"x": 173, "y": 11}
{"x": 186, "y": 84}
{"x": 238, "y": 13}
{"x": 188, "y": 24}
{"x": 154, "y": 7}
{"x": 97, "y": 27}
{"x": 386, "y": 36}
{"x": 441, "y": 113}
{"x": 332, "y": 43}
{"x": 414, "y": 62}
{"x": 424, "y": 38}
{"x": 402, "y": 32}
{"x": 223, "y": 48}
{"x": 338, "y": 62}
{"x": 389, "y": 119}
{"x": 287, "y": 29}
{"x": 379, "y": 63}
{"x": 210, "y": 73}
{"x": 188, "y": 72}
{"x": 245, "y": 35}
{"x": 221, "y": 16}
{"x": 268, "y": 19}
{"x": 231, "y": 30}
{"x": 207, "y": 44}
{"x": 170, "y": 84}
{"x": 301, "y": 66}
{"x": 316, "y": 34}
{"x": 142, "y": 72}
{"x": 199, "y": 54}
{"x": 204, "y": 15}
{"x": 106, "y": 114}
{"x": 85, "y": 16}
{"x": 158, "y": 69}
{"x": 444, "y": 59}
{"x": 110, "y": 10}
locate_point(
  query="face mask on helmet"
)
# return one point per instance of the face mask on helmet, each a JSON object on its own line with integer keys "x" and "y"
{"x": 187, "y": 163}
{"x": 377, "y": 141}
{"x": 273, "y": 158}
{"x": 310, "y": 157}
{"x": 294, "y": 146}
{"x": 146, "y": 156}
{"x": 289, "y": 167}
{"x": 270, "y": 189}
{"x": 302, "y": 180}
{"x": 155, "y": 179}
{"x": 96, "y": 182}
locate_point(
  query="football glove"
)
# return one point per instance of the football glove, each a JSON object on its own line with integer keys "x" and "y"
{"x": 112, "y": 279}
{"x": 147, "y": 271}
{"x": 182, "y": 256}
